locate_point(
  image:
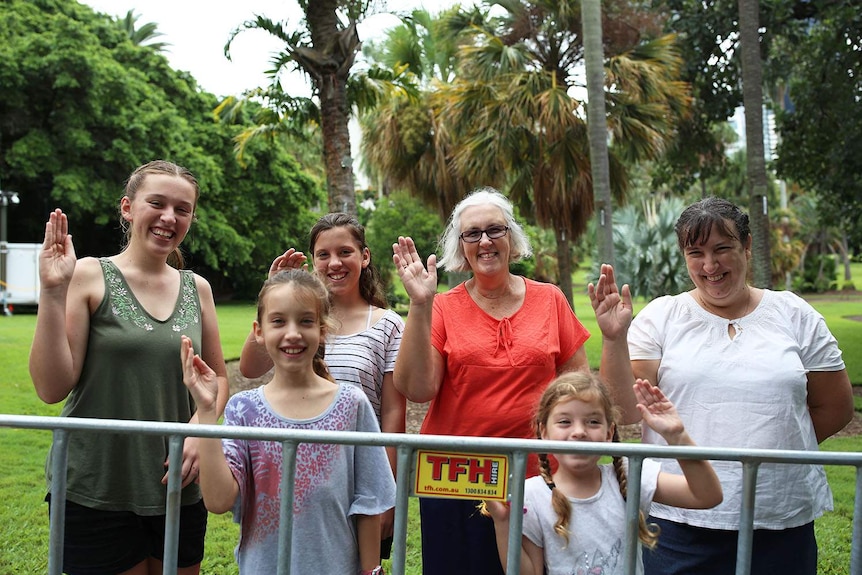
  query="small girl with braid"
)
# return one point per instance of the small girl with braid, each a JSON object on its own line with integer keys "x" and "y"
{"x": 574, "y": 521}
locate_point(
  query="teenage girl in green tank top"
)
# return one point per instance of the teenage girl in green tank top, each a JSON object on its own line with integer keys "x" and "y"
{"x": 107, "y": 340}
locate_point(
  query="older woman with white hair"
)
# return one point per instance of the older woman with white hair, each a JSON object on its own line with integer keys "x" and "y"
{"x": 482, "y": 354}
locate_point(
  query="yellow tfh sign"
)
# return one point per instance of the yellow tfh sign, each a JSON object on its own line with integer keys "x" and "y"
{"x": 461, "y": 475}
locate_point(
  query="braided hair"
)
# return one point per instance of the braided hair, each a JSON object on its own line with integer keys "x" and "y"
{"x": 586, "y": 387}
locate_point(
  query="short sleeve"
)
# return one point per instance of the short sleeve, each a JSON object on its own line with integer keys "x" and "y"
{"x": 236, "y": 451}
{"x": 818, "y": 347}
{"x": 645, "y": 332}
{"x": 374, "y": 486}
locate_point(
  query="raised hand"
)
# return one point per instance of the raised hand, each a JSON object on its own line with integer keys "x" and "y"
{"x": 289, "y": 260}
{"x": 57, "y": 259}
{"x": 658, "y": 412}
{"x": 613, "y": 308}
{"x": 201, "y": 381}
{"x": 419, "y": 282}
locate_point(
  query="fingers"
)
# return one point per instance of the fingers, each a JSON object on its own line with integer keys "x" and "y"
{"x": 190, "y": 473}
{"x": 627, "y": 295}
{"x": 404, "y": 254}
{"x": 56, "y": 230}
{"x": 644, "y": 391}
{"x": 291, "y": 259}
{"x": 432, "y": 264}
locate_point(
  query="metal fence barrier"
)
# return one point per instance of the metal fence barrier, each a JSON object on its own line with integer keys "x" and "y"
{"x": 407, "y": 444}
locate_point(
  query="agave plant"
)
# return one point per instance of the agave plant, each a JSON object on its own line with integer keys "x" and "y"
{"x": 646, "y": 251}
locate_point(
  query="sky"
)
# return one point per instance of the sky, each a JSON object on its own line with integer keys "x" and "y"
{"x": 197, "y": 32}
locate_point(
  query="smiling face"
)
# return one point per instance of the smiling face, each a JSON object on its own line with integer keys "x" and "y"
{"x": 339, "y": 260}
{"x": 289, "y": 326}
{"x": 718, "y": 267}
{"x": 160, "y": 212}
{"x": 487, "y": 256}
{"x": 574, "y": 419}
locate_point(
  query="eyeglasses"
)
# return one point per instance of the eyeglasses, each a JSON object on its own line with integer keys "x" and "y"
{"x": 494, "y": 232}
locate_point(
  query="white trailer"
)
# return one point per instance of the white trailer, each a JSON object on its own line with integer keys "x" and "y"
{"x": 22, "y": 273}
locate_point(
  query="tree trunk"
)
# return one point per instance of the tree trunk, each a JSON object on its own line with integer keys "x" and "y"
{"x": 334, "y": 118}
{"x": 845, "y": 256}
{"x": 591, "y": 14}
{"x": 329, "y": 65}
{"x": 564, "y": 263}
{"x": 752, "y": 96}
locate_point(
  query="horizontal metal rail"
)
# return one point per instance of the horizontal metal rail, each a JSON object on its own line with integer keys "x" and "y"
{"x": 407, "y": 445}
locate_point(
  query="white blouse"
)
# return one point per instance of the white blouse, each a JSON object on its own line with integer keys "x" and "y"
{"x": 748, "y": 391}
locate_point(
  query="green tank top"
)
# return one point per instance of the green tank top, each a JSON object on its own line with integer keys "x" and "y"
{"x": 132, "y": 371}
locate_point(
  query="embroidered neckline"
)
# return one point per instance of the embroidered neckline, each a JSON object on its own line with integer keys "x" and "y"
{"x": 124, "y": 304}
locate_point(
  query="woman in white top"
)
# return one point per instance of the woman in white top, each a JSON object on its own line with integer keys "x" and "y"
{"x": 745, "y": 367}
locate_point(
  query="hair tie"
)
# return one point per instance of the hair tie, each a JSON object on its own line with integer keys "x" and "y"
{"x": 551, "y": 485}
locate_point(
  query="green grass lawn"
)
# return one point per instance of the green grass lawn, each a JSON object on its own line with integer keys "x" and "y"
{"x": 24, "y": 515}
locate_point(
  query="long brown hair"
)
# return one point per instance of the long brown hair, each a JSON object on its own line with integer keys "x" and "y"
{"x": 136, "y": 180}
{"x": 587, "y": 387}
{"x": 310, "y": 284}
{"x": 370, "y": 284}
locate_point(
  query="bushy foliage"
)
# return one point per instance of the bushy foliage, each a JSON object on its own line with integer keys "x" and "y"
{"x": 646, "y": 251}
{"x": 400, "y": 215}
{"x": 819, "y": 274}
{"x": 81, "y": 106}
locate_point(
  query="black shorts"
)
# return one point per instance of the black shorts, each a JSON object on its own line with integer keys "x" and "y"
{"x": 101, "y": 542}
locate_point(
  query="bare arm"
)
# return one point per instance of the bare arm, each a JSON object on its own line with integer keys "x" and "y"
{"x": 613, "y": 309}
{"x": 578, "y": 362}
{"x": 646, "y": 369}
{"x": 830, "y": 402}
{"x": 419, "y": 367}
{"x": 532, "y": 556}
{"x": 218, "y": 485}
{"x": 63, "y": 319}
{"x": 253, "y": 360}
{"x": 393, "y": 416}
{"x": 368, "y": 538}
{"x": 698, "y": 487}
{"x": 211, "y": 350}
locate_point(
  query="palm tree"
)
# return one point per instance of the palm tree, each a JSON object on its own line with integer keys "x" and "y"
{"x": 142, "y": 35}
{"x": 596, "y": 112}
{"x": 517, "y": 123}
{"x": 752, "y": 96}
{"x": 401, "y": 145}
{"x": 324, "y": 48}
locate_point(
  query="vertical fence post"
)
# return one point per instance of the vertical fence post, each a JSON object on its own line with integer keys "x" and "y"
{"x": 633, "y": 501}
{"x": 402, "y": 501}
{"x": 57, "y": 534}
{"x": 285, "y": 523}
{"x": 516, "y": 512}
{"x": 745, "y": 539}
{"x": 172, "y": 506}
{"x": 856, "y": 542}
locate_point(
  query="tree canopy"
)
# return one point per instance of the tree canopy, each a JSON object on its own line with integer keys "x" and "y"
{"x": 81, "y": 106}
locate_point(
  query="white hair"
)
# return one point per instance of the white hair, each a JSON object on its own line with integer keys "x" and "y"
{"x": 452, "y": 256}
